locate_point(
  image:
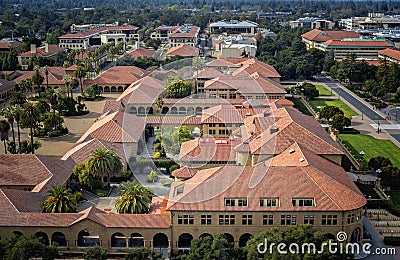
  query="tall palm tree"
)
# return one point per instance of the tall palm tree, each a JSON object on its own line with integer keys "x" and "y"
{"x": 68, "y": 80}
{"x": 59, "y": 200}
{"x": 4, "y": 128}
{"x": 134, "y": 198}
{"x": 159, "y": 104}
{"x": 46, "y": 73}
{"x": 37, "y": 79}
{"x": 103, "y": 163}
{"x": 30, "y": 115}
{"x": 8, "y": 113}
{"x": 80, "y": 73}
{"x": 17, "y": 109}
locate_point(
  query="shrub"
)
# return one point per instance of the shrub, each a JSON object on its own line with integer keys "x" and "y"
{"x": 391, "y": 241}
{"x": 157, "y": 155}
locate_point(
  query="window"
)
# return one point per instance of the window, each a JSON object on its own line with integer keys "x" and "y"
{"x": 303, "y": 202}
{"x": 227, "y": 219}
{"x": 211, "y": 132}
{"x": 247, "y": 220}
{"x": 222, "y": 132}
{"x": 206, "y": 219}
{"x": 179, "y": 189}
{"x": 268, "y": 220}
{"x": 287, "y": 220}
{"x": 239, "y": 202}
{"x": 350, "y": 218}
{"x": 269, "y": 202}
{"x": 221, "y": 125}
{"x": 211, "y": 125}
{"x": 329, "y": 220}
{"x": 222, "y": 95}
{"x": 185, "y": 219}
{"x": 232, "y": 96}
{"x": 309, "y": 219}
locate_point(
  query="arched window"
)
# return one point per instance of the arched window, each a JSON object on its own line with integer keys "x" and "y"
{"x": 136, "y": 240}
{"x": 184, "y": 240}
{"x": 118, "y": 240}
{"x": 58, "y": 239}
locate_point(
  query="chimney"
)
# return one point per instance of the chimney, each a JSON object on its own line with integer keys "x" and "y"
{"x": 273, "y": 129}
{"x": 46, "y": 47}
{"x": 33, "y": 48}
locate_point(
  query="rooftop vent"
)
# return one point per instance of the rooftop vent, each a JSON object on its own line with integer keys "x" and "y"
{"x": 291, "y": 151}
{"x": 301, "y": 159}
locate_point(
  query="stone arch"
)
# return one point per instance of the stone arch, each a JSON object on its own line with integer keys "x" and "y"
{"x": 229, "y": 238}
{"x": 190, "y": 111}
{"x": 206, "y": 107}
{"x": 141, "y": 111}
{"x": 136, "y": 240}
{"x": 149, "y": 110}
{"x": 17, "y": 233}
{"x": 165, "y": 110}
{"x": 160, "y": 240}
{"x": 185, "y": 240}
{"x": 118, "y": 240}
{"x": 199, "y": 110}
{"x": 113, "y": 89}
{"x": 87, "y": 238}
{"x": 206, "y": 235}
{"x": 107, "y": 89}
{"x": 173, "y": 111}
{"x": 182, "y": 111}
{"x": 59, "y": 239}
{"x": 132, "y": 110}
{"x": 244, "y": 238}
{"x": 43, "y": 236}
{"x": 120, "y": 89}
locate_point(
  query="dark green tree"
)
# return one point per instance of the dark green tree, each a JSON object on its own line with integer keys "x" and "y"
{"x": 95, "y": 253}
{"x": 329, "y": 112}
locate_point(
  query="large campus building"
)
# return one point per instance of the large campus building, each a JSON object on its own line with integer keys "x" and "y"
{"x": 259, "y": 164}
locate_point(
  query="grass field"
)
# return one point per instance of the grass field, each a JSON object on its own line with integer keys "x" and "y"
{"x": 323, "y": 91}
{"x": 372, "y": 147}
{"x": 394, "y": 202}
{"x": 348, "y": 112}
{"x": 300, "y": 106}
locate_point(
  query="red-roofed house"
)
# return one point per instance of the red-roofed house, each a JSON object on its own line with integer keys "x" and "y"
{"x": 55, "y": 78}
{"x": 48, "y": 51}
{"x": 390, "y": 55}
{"x": 187, "y": 34}
{"x": 183, "y": 50}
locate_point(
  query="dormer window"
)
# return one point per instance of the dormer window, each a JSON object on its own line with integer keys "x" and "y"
{"x": 269, "y": 202}
{"x": 236, "y": 202}
{"x": 303, "y": 202}
{"x": 179, "y": 189}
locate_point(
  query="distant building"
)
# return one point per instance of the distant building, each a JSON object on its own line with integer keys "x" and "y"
{"x": 373, "y": 21}
{"x": 312, "y": 23}
{"x": 234, "y": 27}
{"x": 315, "y": 36}
{"x": 234, "y": 46}
{"x": 99, "y": 36}
{"x": 187, "y": 34}
{"x": 6, "y": 46}
{"x": 183, "y": 50}
{"x": 390, "y": 55}
{"x": 162, "y": 32}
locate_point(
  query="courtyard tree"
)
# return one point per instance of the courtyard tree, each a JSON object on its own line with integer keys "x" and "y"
{"x": 329, "y": 112}
{"x": 8, "y": 113}
{"x": 37, "y": 79}
{"x": 134, "y": 198}
{"x": 339, "y": 121}
{"x": 95, "y": 253}
{"x": 4, "y": 129}
{"x": 178, "y": 88}
{"x": 309, "y": 90}
{"x": 104, "y": 162}
{"x": 59, "y": 200}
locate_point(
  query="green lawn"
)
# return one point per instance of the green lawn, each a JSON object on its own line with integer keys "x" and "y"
{"x": 348, "y": 112}
{"x": 394, "y": 202}
{"x": 323, "y": 91}
{"x": 372, "y": 147}
{"x": 300, "y": 106}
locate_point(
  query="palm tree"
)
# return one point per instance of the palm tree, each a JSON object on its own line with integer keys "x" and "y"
{"x": 4, "y": 128}
{"x": 159, "y": 105}
{"x": 30, "y": 115}
{"x": 104, "y": 162}
{"x": 134, "y": 198}
{"x": 17, "y": 109}
{"x": 80, "y": 73}
{"x": 46, "y": 73}
{"x": 9, "y": 114}
{"x": 43, "y": 106}
{"x": 68, "y": 80}
{"x": 59, "y": 200}
{"x": 37, "y": 79}
{"x": 25, "y": 85}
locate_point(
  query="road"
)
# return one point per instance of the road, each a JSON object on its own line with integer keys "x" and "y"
{"x": 360, "y": 105}
{"x": 376, "y": 242}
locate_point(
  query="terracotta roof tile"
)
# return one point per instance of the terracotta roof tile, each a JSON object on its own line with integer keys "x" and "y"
{"x": 96, "y": 31}
{"x": 183, "y": 50}
{"x": 390, "y": 53}
{"x": 185, "y": 172}
{"x": 173, "y": 120}
{"x": 142, "y": 91}
{"x": 360, "y": 43}
{"x": 111, "y": 105}
{"x": 207, "y": 73}
{"x": 55, "y": 76}
{"x": 141, "y": 53}
{"x": 123, "y": 75}
{"x": 41, "y": 52}
{"x": 323, "y": 36}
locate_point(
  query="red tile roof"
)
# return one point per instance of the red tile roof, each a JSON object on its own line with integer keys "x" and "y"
{"x": 185, "y": 172}
{"x": 193, "y": 32}
{"x": 115, "y": 127}
{"x": 204, "y": 150}
{"x": 143, "y": 91}
{"x": 41, "y": 51}
{"x": 207, "y": 73}
{"x": 173, "y": 120}
{"x": 183, "y": 50}
{"x": 252, "y": 65}
{"x": 55, "y": 76}
{"x": 96, "y": 31}
{"x": 395, "y": 54}
{"x": 360, "y": 43}
{"x": 141, "y": 53}
{"x": 118, "y": 75}
{"x": 323, "y": 36}
{"x": 6, "y": 84}
{"x": 111, "y": 105}
{"x": 283, "y": 176}
{"x": 221, "y": 63}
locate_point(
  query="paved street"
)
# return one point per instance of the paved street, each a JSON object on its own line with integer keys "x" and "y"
{"x": 376, "y": 243}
